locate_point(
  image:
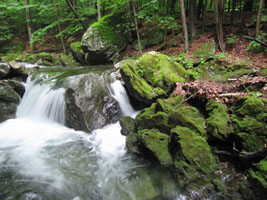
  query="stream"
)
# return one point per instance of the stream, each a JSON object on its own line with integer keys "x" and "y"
{"x": 40, "y": 158}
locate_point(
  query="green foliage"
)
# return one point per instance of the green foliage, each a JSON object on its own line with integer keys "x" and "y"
{"x": 231, "y": 40}
{"x": 255, "y": 46}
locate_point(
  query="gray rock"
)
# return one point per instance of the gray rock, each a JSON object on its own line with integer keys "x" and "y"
{"x": 102, "y": 47}
{"x": 4, "y": 70}
{"x": 127, "y": 125}
{"x": 89, "y": 104}
{"x": 17, "y": 68}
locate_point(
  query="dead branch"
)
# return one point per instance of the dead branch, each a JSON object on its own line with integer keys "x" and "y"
{"x": 258, "y": 41}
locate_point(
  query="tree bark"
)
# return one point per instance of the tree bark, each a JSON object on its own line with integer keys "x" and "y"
{"x": 75, "y": 14}
{"x": 136, "y": 27}
{"x": 186, "y": 48}
{"x": 219, "y": 9}
{"x": 233, "y": 10}
{"x": 192, "y": 29}
{"x": 59, "y": 26}
{"x": 28, "y": 18}
{"x": 98, "y": 10}
{"x": 259, "y": 18}
{"x": 204, "y": 14}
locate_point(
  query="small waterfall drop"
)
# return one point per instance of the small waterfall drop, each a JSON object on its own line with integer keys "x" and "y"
{"x": 40, "y": 102}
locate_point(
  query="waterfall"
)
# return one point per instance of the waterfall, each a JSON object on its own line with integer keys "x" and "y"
{"x": 40, "y": 158}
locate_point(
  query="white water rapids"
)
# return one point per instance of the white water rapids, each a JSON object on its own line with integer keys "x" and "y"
{"x": 40, "y": 158}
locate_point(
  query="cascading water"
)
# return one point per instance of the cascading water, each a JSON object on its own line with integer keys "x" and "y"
{"x": 40, "y": 158}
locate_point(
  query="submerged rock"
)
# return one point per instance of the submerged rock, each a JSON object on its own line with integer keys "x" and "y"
{"x": 89, "y": 104}
{"x": 102, "y": 43}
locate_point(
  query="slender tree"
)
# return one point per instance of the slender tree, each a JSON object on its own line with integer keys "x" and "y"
{"x": 219, "y": 9}
{"x": 28, "y": 18}
{"x": 59, "y": 26}
{"x": 98, "y": 10}
{"x": 136, "y": 26}
{"x": 182, "y": 11}
{"x": 192, "y": 29}
{"x": 259, "y": 18}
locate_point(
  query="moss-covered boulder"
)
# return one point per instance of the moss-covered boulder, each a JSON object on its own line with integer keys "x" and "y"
{"x": 205, "y": 51}
{"x": 157, "y": 144}
{"x": 101, "y": 42}
{"x": 192, "y": 155}
{"x": 152, "y": 76}
{"x": 218, "y": 120}
{"x": 258, "y": 177}
{"x": 149, "y": 39}
{"x": 77, "y": 52}
{"x": 216, "y": 72}
{"x": 249, "y": 122}
{"x": 128, "y": 125}
{"x": 4, "y": 70}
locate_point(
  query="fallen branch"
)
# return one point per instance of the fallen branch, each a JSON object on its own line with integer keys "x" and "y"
{"x": 258, "y": 41}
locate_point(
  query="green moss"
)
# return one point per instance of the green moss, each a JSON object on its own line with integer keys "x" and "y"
{"x": 157, "y": 143}
{"x": 218, "y": 184}
{"x": 193, "y": 157}
{"x": 104, "y": 26}
{"x": 205, "y": 51}
{"x": 76, "y": 47}
{"x": 189, "y": 117}
{"x": 168, "y": 105}
{"x": 45, "y": 56}
{"x": 259, "y": 174}
{"x": 250, "y": 142}
{"x": 218, "y": 120}
{"x": 132, "y": 142}
{"x": 30, "y": 58}
{"x": 9, "y": 57}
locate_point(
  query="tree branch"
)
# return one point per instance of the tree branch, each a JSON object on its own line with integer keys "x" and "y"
{"x": 258, "y": 41}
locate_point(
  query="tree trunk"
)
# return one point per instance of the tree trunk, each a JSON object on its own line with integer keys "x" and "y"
{"x": 192, "y": 29}
{"x": 219, "y": 9}
{"x": 75, "y": 14}
{"x": 248, "y": 5}
{"x": 204, "y": 14}
{"x": 136, "y": 27}
{"x": 211, "y": 4}
{"x": 59, "y": 26}
{"x": 28, "y": 18}
{"x": 199, "y": 9}
{"x": 233, "y": 10}
{"x": 259, "y": 18}
{"x": 184, "y": 25}
{"x": 98, "y": 10}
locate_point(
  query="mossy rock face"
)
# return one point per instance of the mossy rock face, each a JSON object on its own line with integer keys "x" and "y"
{"x": 216, "y": 72}
{"x": 249, "y": 122}
{"x": 138, "y": 87}
{"x": 77, "y": 52}
{"x": 45, "y": 56}
{"x": 68, "y": 60}
{"x": 205, "y": 51}
{"x": 30, "y": 58}
{"x": 127, "y": 125}
{"x": 258, "y": 176}
{"x": 101, "y": 42}
{"x": 157, "y": 144}
{"x": 191, "y": 154}
{"x": 150, "y": 39}
{"x": 152, "y": 76}
{"x": 218, "y": 120}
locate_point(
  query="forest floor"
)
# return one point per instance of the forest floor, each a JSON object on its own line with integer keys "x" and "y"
{"x": 237, "y": 53}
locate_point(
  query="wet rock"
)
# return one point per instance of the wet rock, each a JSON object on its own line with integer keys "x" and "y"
{"x": 16, "y": 68}
{"x": 89, "y": 104}
{"x": 4, "y": 70}
{"x": 127, "y": 125}
{"x": 77, "y": 52}
{"x": 9, "y": 101}
{"x": 101, "y": 43}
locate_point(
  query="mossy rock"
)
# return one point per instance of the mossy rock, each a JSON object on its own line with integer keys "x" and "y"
{"x": 45, "y": 56}
{"x": 218, "y": 120}
{"x": 101, "y": 42}
{"x": 128, "y": 125}
{"x": 138, "y": 87}
{"x": 68, "y": 60}
{"x": 157, "y": 144}
{"x": 30, "y": 58}
{"x": 249, "y": 122}
{"x": 205, "y": 51}
{"x": 192, "y": 155}
{"x": 77, "y": 52}
{"x": 190, "y": 117}
{"x": 149, "y": 119}
{"x": 258, "y": 177}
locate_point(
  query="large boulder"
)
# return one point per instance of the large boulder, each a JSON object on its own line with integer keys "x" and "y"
{"x": 206, "y": 50}
{"x": 249, "y": 122}
{"x": 77, "y": 52}
{"x": 9, "y": 100}
{"x": 152, "y": 76}
{"x": 89, "y": 104}
{"x": 102, "y": 43}
{"x": 16, "y": 68}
